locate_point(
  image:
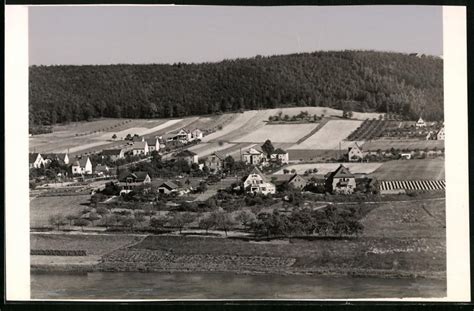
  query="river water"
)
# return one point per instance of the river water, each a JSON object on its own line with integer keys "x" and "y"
{"x": 136, "y": 285}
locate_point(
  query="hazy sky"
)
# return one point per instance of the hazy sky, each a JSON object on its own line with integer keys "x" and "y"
{"x": 168, "y": 34}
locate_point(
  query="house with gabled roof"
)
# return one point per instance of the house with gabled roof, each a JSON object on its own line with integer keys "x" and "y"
{"x": 215, "y": 161}
{"x": 187, "y": 156}
{"x": 153, "y": 144}
{"x": 440, "y": 134}
{"x": 355, "y": 153}
{"x": 168, "y": 187}
{"x": 62, "y": 158}
{"x": 297, "y": 182}
{"x": 420, "y": 123}
{"x": 128, "y": 181}
{"x": 35, "y": 160}
{"x": 114, "y": 154}
{"x": 256, "y": 182}
{"x": 183, "y": 136}
{"x": 280, "y": 155}
{"x": 140, "y": 148}
{"x": 341, "y": 180}
{"x": 82, "y": 166}
{"x": 196, "y": 134}
{"x": 254, "y": 157}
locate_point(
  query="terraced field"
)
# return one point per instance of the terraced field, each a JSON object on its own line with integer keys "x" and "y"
{"x": 423, "y": 169}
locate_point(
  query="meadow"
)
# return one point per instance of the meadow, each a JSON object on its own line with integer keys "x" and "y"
{"x": 279, "y": 133}
{"x": 402, "y": 144}
{"x": 41, "y": 208}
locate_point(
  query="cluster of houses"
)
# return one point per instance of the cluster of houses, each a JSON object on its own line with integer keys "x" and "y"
{"x": 435, "y": 134}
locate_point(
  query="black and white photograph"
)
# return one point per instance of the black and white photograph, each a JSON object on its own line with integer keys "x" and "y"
{"x": 240, "y": 153}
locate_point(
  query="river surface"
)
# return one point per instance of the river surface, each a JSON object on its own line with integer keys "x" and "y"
{"x": 136, "y": 285}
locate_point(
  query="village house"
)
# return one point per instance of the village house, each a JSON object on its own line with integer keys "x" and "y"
{"x": 102, "y": 170}
{"x": 280, "y": 155}
{"x": 182, "y": 136}
{"x": 82, "y": 166}
{"x": 114, "y": 154}
{"x": 420, "y": 123}
{"x": 355, "y": 153}
{"x": 257, "y": 183}
{"x": 62, "y": 158}
{"x": 196, "y": 134}
{"x": 140, "y": 148}
{"x": 129, "y": 181}
{"x": 341, "y": 181}
{"x": 215, "y": 162}
{"x": 431, "y": 136}
{"x": 36, "y": 160}
{"x": 440, "y": 135}
{"x": 187, "y": 156}
{"x": 297, "y": 182}
{"x": 168, "y": 187}
{"x": 254, "y": 157}
{"x": 153, "y": 144}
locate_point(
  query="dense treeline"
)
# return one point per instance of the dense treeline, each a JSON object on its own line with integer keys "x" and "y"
{"x": 354, "y": 80}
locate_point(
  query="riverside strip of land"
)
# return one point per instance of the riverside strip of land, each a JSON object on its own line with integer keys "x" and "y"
{"x": 409, "y": 242}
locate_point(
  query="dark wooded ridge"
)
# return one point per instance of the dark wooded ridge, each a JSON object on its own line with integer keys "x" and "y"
{"x": 408, "y": 85}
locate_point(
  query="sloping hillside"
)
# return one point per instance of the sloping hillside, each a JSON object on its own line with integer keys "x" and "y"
{"x": 354, "y": 80}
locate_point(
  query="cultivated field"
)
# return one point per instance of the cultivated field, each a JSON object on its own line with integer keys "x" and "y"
{"x": 205, "y": 149}
{"x": 309, "y": 155}
{"x": 98, "y": 244}
{"x": 41, "y": 208}
{"x": 423, "y": 169}
{"x": 324, "y": 168}
{"x": 411, "y": 144}
{"x": 278, "y": 133}
{"x": 331, "y": 136}
{"x": 407, "y": 219}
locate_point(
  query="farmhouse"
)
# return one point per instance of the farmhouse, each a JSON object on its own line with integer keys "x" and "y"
{"x": 187, "y": 156}
{"x": 128, "y": 181}
{"x": 280, "y": 155}
{"x": 36, "y": 160}
{"x": 341, "y": 180}
{"x": 153, "y": 144}
{"x": 254, "y": 157}
{"x": 355, "y": 153}
{"x": 82, "y": 166}
{"x": 215, "y": 162}
{"x": 257, "y": 183}
{"x": 167, "y": 187}
{"x": 140, "y": 148}
{"x": 440, "y": 135}
{"x": 113, "y": 154}
{"x": 62, "y": 158}
{"x": 420, "y": 123}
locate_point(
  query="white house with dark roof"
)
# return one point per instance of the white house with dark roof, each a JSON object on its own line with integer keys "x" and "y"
{"x": 153, "y": 144}
{"x": 35, "y": 160}
{"x": 257, "y": 183}
{"x": 196, "y": 134}
{"x": 82, "y": 166}
{"x": 440, "y": 134}
{"x": 280, "y": 155}
{"x": 355, "y": 153}
{"x": 420, "y": 123}
{"x": 167, "y": 187}
{"x": 62, "y": 158}
{"x": 140, "y": 148}
{"x": 254, "y": 157}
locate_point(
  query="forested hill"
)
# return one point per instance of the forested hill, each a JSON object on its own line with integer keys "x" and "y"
{"x": 355, "y": 80}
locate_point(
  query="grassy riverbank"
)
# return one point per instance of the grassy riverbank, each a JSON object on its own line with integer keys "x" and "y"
{"x": 399, "y": 240}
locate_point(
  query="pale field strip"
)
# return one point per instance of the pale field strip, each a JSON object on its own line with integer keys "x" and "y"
{"x": 205, "y": 149}
{"x": 141, "y": 131}
{"x": 411, "y": 144}
{"x": 278, "y": 133}
{"x": 324, "y": 168}
{"x": 331, "y": 135}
